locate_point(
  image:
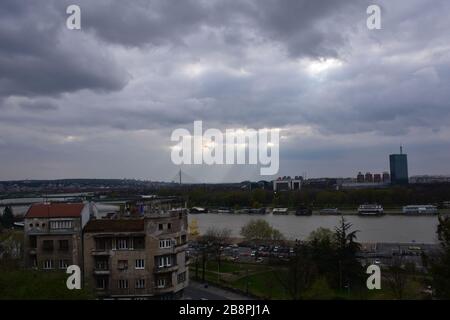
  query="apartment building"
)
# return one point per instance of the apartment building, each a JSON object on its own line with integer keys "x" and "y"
{"x": 53, "y": 234}
{"x": 140, "y": 258}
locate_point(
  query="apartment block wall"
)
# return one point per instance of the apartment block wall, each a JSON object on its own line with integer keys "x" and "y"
{"x": 39, "y": 229}
{"x": 156, "y": 228}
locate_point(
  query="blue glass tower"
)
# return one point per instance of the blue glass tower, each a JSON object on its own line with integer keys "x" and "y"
{"x": 399, "y": 168}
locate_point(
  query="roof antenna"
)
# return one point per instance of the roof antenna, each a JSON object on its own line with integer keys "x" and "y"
{"x": 401, "y": 149}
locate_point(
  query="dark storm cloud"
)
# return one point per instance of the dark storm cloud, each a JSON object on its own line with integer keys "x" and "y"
{"x": 38, "y": 105}
{"x": 139, "y": 69}
{"x": 305, "y": 28}
{"x": 39, "y": 56}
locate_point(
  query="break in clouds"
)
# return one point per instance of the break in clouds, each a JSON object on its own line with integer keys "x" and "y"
{"x": 102, "y": 101}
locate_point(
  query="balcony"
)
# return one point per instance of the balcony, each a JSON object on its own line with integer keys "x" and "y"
{"x": 101, "y": 266}
{"x": 101, "y": 252}
{"x": 165, "y": 289}
{"x": 102, "y": 272}
{"x": 165, "y": 269}
{"x": 181, "y": 247}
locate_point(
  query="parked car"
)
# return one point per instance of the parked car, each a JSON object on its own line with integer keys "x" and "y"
{"x": 330, "y": 211}
{"x": 303, "y": 211}
{"x": 224, "y": 210}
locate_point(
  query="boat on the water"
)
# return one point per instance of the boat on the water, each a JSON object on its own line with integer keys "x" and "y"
{"x": 370, "y": 210}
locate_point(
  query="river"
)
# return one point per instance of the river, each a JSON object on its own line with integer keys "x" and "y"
{"x": 387, "y": 228}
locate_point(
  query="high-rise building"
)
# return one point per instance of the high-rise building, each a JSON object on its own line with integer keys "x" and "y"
{"x": 399, "y": 168}
{"x": 386, "y": 177}
{"x": 368, "y": 177}
{"x": 377, "y": 178}
{"x": 360, "y": 177}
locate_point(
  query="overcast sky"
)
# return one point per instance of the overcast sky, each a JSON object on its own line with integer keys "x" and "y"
{"x": 102, "y": 102}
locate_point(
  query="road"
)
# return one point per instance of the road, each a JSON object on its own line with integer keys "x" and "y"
{"x": 197, "y": 291}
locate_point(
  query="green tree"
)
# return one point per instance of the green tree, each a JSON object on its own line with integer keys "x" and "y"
{"x": 349, "y": 269}
{"x": 324, "y": 252}
{"x": 8, "y": 217}
{"x": 260, "y": 231}
{"x": 440, "y": 265}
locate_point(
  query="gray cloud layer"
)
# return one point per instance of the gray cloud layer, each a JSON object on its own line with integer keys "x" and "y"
{"x": 139, "y": 69}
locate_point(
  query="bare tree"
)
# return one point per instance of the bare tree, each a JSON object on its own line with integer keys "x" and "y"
{"x": 299, "y": 274}
{"x": 397, "y": 279}
{"x": 212, "y": 242}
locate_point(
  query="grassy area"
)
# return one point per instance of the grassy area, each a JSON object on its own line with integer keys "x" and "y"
{"x": 260, "y": 278}
{"x": 262, "y": 281}
{"x": 16, "y": 235}
{"x": 17, "y": 284}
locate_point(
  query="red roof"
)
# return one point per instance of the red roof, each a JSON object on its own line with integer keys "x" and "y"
{"x": 55, "y": 210}
{"x": 122, "y": 225}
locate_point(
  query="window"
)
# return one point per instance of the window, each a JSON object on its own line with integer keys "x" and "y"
{"x": 123, "y": 284}
{"x": 183, "y": 239}
{"x": 61, "y": 224}
{"x": 101, "y": 263}
{"x": 160, "y": 283}
{"x": 140, "y": 263}
{"x": 140, "y": 284}
{"x": 63, "y": 245}
{"x": 33, "y": 242}
{"x": 102, "y": 244}
{"x": 47, "y": 245}
{"x": 47, "y": 264}
{"x": 101, "y": 282}
{"x": 63, "y": 264}
{"x": 169, "y": 226}
{"x": 166, "y": 243}
{"x": 139, "y": 243}
{"x": 164, "y": 261}
{"x": 122, "y": 243}
{"x": 160, "y": 226}
{"x": 181, "y": 277}
{"x": 122, "y": 264}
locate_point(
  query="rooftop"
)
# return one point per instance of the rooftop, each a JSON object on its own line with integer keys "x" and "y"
{"x": 55, "y": 210}
{"x": 119, "y": 225}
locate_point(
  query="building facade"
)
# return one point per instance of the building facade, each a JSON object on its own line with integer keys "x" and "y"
{"x": 53, "y": 234}
{"x": 288, "y": 183}
{"x": 399, "y": 168}
{"x": 142, "y": 257}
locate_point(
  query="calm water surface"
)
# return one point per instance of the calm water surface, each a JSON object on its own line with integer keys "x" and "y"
{"x": 372, "y": 229}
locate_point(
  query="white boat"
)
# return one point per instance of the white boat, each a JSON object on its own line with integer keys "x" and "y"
{"x": 370, "y": 209}
{"x": 420, "y": 209}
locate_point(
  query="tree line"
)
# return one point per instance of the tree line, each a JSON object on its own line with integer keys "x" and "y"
{"x": 392, "y": 196}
